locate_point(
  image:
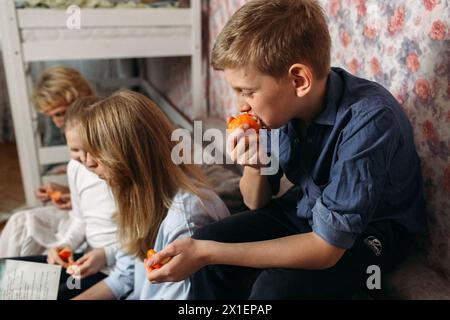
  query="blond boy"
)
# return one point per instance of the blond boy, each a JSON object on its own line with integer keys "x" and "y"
{"x": 345, "y": 144}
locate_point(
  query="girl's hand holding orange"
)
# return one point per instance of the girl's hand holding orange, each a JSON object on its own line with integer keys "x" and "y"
{"x": 65, "y": 254}
{"x": 150, "y": 254}
{"x": 62, "y": 256}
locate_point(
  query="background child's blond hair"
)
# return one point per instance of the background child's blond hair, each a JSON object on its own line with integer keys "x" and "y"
{"x": 75, "y": 113}
{"x": 273, "y": 35}
{"x": 59, "y": 86}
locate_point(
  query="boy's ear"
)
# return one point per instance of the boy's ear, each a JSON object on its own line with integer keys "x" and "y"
{"x": 301, "y": 77}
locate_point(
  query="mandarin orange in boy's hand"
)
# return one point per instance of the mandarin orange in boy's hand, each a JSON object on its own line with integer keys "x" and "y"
{"x": 150, "y": 254}
{"x": 245, "y": 118}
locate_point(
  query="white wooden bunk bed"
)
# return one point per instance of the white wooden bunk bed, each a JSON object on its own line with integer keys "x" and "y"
{"x": 31, "y": 35}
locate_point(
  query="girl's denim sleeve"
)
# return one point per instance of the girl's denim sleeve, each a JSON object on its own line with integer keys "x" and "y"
{"x": 121, "y": 279}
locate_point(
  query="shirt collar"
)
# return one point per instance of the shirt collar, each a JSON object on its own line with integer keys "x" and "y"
{"x": 332, "y": 99}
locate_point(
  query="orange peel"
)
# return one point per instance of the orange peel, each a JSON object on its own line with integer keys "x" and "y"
{"x": 245, "y": 118}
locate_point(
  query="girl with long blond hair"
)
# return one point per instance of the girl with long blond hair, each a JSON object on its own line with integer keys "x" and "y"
{"x": 128, "y": 143}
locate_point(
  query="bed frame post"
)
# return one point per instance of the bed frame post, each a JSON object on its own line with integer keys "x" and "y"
{"x": 19, "y": 99}
{"x": 198, "y": 98}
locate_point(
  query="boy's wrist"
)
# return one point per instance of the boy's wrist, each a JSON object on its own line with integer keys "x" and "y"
{"x": 252, "y": 171}
{"x": 207, "y": 252}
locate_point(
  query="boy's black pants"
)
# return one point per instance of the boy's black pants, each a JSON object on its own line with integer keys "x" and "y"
{"x": 274, "y": 221}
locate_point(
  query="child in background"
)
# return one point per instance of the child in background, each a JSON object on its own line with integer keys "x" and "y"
{"x": 128, "y": 143}
{"x": 90, "y": 222}
{"x": 57, "y": 88}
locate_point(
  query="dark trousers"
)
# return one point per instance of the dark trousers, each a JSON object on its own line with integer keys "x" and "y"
{"x": 341, "y": 281}
{"x": 67, "y": 289}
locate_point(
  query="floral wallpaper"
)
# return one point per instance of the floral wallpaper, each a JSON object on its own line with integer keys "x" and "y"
{"x": 405, "y": 46}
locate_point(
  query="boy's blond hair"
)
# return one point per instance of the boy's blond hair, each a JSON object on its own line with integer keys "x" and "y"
{"x": 59, "y": 86}
{"x": 273, "y": 35}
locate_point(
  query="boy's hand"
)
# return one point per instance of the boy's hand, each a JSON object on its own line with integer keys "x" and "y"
{"x": 89, "y": 264}
{"x": 186, "y": 258}
{"x": 243, "y": 146}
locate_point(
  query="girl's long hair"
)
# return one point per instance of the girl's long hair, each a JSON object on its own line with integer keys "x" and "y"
{"x": 131, "y": 137}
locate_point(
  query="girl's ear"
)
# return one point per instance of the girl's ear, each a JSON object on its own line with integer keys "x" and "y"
{"x": 301, "y": 77}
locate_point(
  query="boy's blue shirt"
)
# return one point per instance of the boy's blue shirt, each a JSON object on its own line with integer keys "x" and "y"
{"x": 356, "y": 162}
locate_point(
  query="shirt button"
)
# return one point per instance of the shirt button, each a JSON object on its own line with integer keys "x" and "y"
{"x": 309, "y": 140}
{"x": 296, "y": 140}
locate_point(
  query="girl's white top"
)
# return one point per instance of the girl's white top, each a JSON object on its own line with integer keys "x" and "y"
{"x": 93, "y": 210}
